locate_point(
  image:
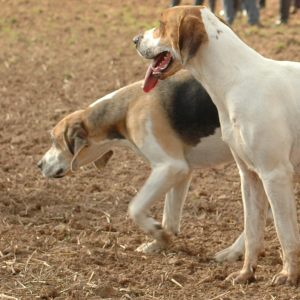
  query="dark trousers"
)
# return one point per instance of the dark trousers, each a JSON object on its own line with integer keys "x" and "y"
{"x": 296, "y": 3}
{"x": 212, "y": 3}
{"x": 284, "y": 10}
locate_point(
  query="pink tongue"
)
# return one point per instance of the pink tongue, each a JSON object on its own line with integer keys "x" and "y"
{"x": 149, "y": 82}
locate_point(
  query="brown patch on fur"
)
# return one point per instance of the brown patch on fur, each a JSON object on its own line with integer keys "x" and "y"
{"x": 107, "y": 119}
{"x": 182, "y": 28}
{"x": 137, "y": 117}
{"x": 63, "y": 131}
{"x": 165, "y": 135}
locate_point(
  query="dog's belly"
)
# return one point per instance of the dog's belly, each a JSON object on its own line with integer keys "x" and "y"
{"x": 210, "y": 152}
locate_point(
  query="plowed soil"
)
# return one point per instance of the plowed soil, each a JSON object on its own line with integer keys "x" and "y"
{"x": 72, "y": 238}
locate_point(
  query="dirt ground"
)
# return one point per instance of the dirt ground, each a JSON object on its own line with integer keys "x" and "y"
{"x": 72, "y": 238}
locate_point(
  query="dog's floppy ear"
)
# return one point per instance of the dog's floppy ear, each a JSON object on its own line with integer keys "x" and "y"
{"x": 101, "y": 163}
{"x": 191, "y": 35}
{"x": 77, "y": 139}
{"x": 80, "y": 143}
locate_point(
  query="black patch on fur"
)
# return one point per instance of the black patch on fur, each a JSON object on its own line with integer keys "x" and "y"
{"x": 113, "y": 133}
{"x": 188, "y": 106}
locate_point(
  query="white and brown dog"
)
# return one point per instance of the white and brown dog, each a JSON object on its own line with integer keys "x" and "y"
{"x": 176, "y": 129}
{"x": 258, "y": 101}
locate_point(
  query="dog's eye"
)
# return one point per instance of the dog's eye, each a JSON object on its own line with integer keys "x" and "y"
{"x": 161, "y": 26}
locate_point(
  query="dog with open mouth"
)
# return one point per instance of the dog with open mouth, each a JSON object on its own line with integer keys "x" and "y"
{"x": 258, "y": 102}
{"x": 175, "y": 129}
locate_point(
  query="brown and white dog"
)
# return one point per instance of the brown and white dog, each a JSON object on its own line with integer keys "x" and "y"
{"x": 258, "y": 101}
{"x": 175, "y": 128}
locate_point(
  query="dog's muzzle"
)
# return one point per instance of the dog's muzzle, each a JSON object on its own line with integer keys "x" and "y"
{"x": 57, "y": 173}
{"x": 137, "y": 39}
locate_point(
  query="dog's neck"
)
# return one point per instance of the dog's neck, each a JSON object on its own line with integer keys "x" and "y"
{"x": 107, "y": 116}
{"x": 224, "y": 61}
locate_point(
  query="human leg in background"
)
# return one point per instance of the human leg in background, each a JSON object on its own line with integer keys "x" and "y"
{"x": 283, "y": 12}
{"x": 229, "y": 11}
{"x": 262, "y": 4}
{"x": 295, "y": 4}
{"x": 252, "y": 12}
{"x": 175, "y": 2}
{"x": 212, "y": 5}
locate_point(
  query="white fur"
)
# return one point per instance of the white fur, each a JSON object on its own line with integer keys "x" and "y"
{"x": 106, "y": 97}
{"x": 258, "y": 101}
{"x": 166, "y": 173}
{"x": 209, "y": 152}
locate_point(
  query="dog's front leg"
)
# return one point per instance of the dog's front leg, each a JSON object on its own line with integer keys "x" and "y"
{"x": 255, "y": 210}
{"x": 279, "y": 188}
{"x": 174, "y": 202}
{"x": 163, "y": 177}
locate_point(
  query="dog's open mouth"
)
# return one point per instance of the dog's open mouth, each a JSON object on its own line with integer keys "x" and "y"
{"x": 159, "y": 65}
{"x": 58, "y": 174}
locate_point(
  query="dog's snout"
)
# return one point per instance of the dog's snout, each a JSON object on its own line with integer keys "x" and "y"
{"x": 40, "y": 164}
{"x": 136, "y": 39}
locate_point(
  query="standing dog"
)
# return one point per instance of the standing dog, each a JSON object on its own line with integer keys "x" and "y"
{"x": 258, "y": 101}
{"x": 176, "y": 129}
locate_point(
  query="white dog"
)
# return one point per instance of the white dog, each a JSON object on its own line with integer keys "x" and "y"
{"x": 258, "y": 101}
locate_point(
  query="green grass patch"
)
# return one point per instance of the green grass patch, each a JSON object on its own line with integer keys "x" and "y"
{"x": 6, "y": 29}
{"x": 67, "y": 75}
{"x": 14, "y": 34}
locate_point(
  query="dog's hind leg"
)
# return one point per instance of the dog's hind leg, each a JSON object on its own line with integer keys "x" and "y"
{"x": 279, "y": 188}
{"x": 174, "y": 202}
{"x": 237, "y": 250}
{"x": 255, "y": 211}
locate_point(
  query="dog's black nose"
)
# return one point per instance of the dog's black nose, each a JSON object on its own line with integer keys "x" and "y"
{"x": 40, "y": 164}
{"x": 136, "y": 39}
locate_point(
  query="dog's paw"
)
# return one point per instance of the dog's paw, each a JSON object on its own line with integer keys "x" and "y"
{"x": 149, "y": 247}
{"x": 229, "y": 254}
{"x": 242, "y": 277}
{"x": 285, "y": 278}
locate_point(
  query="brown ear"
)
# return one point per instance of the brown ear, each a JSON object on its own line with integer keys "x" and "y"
{"x": 191, "y": 36}
{"x": 101, "y": 163}
{"x": 79, "y": 143}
